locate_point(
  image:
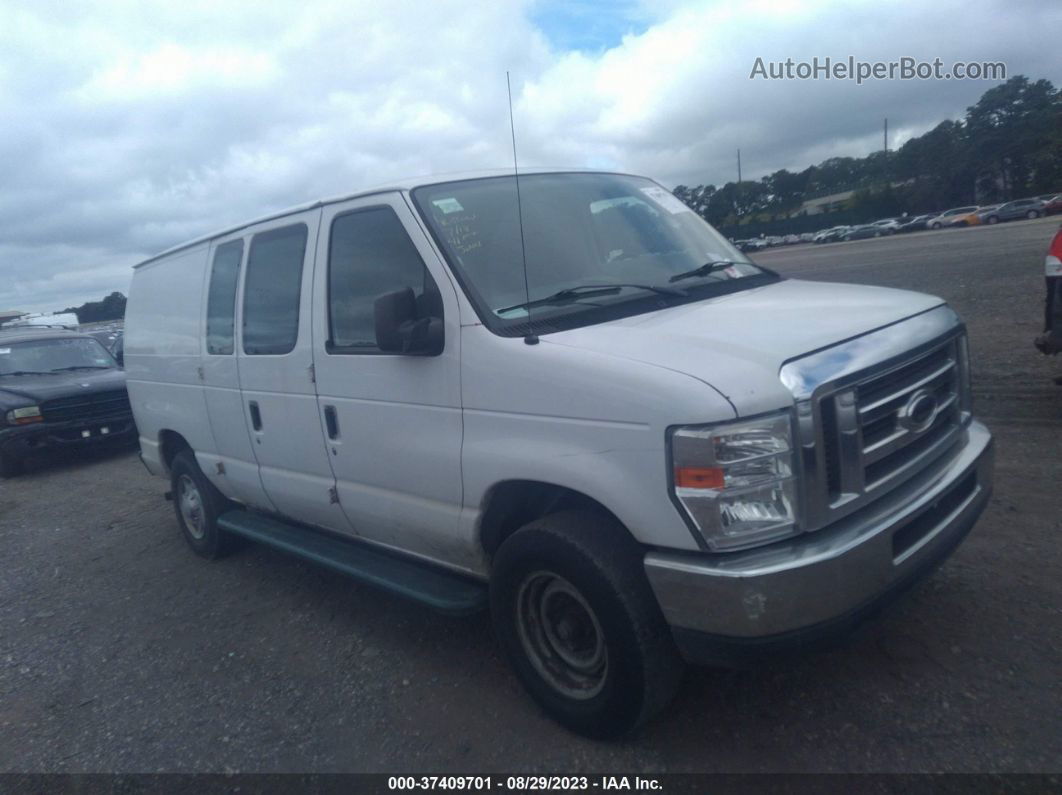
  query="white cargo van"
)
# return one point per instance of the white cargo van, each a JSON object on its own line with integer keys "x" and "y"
{"x": 566, "y": 398}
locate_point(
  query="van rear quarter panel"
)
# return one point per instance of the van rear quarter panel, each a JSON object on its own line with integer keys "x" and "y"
{"x": 163, "y": 323}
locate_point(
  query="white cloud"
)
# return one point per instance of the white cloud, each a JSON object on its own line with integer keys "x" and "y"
{"x": 129, "y": 126}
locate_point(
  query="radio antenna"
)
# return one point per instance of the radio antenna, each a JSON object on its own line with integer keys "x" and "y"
{"x": 530, "y": 339}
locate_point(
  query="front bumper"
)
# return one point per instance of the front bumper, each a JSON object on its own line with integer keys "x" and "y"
{"x": 22, "y": 440}
{"x": 733, "y": 607}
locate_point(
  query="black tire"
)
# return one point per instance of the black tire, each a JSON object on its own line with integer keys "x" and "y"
{"x": 934, "y": 226}
{"x": 587, "y": 572}
{"x": 10, "y": 466}
{"x": 1032, "y": 214}
{"x": 992, "y": 219}
{"x": 202, "y": 534}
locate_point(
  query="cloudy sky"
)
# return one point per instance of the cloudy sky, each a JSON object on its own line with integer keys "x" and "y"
{"x": 128, "y": 127}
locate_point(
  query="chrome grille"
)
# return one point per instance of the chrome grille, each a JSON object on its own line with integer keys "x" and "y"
{"x": 87, "y": 407}
{"x": 877, "y": 410}
{"x": 889, "y": 443}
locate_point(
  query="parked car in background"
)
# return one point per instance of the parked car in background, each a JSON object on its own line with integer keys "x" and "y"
{"x": 864, "y": 231}
{"x": 790, "y": 240}
{"x": 751, "y": 244}
{"x": 917, "y": 223}
{"x": 1053, "y": 204}
{"x": 946, "y": 217}
{"x": 58, "y": 389}
{"x": 889, "y": 225}
{"x": 831, "y": 235}
{"x": 984, "y": 212}
{"x": 1012, "y": 211}
{"x": 1050, "y": 341}
{"x": 965, "y": 219}
{"x": 67, "y": 320}
{"x": 117, "y": 349}
{"x": 807, "y": 237}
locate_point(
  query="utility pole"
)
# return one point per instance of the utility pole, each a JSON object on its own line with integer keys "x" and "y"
{"x": 737, "y": 195}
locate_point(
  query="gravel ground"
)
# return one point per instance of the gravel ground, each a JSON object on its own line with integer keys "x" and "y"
{"x": 121, "y": 651}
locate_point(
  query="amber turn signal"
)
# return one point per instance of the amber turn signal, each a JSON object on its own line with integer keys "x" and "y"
{"x": 699, "y": 478}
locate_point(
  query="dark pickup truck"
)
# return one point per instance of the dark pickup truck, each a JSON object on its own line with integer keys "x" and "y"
{"x": 58, "y": 390}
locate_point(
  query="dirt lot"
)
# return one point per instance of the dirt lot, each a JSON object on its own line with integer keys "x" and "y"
{"x": 121, "y": 651}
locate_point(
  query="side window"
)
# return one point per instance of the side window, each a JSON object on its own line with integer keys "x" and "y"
{"x": 272, "y": 289}
{"x": 221, "y": 298}
{"x": 370, "y": 254}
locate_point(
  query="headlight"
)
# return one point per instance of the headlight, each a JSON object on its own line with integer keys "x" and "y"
{"x": 25, "y": 415}
{"x": 736, "y": 481}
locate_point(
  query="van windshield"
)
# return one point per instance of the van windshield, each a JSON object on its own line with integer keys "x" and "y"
{"x": 580, "y": 230}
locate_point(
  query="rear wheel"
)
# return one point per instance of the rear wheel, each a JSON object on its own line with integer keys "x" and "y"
{"x": 1032, "y": 214}
{"x": 198, "y": 504}
{"x": 992, "y": 219}
{"x": 575, "y": 615}
{"x": 934, "y": 226}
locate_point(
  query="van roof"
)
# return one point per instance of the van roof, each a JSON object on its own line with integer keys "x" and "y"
{"x": 403, "y": 185}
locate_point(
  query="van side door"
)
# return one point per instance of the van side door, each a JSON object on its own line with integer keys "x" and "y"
{"x": 275, "y": 359}
{"x": 238, "y": 476}
{"x": 393, "y": 424}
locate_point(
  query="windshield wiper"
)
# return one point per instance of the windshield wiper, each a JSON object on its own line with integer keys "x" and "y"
{"x": 81, "y": 367}
{"x": 703, "y": 270}
{"x": 27, "y": 372}
{"x": 587, "y": 290}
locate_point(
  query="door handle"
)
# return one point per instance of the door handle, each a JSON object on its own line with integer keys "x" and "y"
{"x": 331, "y": 422}
{"x": 256, "y": 415}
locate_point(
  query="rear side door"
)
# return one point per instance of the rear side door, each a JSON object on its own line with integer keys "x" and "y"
{"x": 276, "y": 372}
{"x": 221, "y": 381}
{"x": 393, "y": 424}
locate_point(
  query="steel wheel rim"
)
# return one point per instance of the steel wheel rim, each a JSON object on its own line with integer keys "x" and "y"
{"x": 191, "y": 506}
{"x": 561, "y": 635}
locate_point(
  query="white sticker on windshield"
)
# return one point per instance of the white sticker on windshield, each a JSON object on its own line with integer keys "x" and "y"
{"x": 666, "y": 200}
{"x": 448, "y": 206}
{"x": 4, "y": 350}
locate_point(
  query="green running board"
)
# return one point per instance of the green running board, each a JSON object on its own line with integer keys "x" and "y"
{"x": 435, "y": 587}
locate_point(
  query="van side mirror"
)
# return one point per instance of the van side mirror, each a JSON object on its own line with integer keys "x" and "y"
{"x": 399, "y": 330}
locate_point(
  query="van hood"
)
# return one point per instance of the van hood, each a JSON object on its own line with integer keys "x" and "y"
{"x": 22, "y": 390}
{"x": 737, "y": 343}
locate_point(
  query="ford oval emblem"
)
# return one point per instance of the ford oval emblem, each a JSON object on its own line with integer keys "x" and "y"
{"x": 919, "y": 411}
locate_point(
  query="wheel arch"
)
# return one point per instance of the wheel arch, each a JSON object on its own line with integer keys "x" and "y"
{"x": 511, "y": 504}
{"x": 170, "y": 444}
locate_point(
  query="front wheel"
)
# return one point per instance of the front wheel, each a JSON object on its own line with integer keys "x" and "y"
{"x": 992, "y": 219}
{"x": 576, "y": 616}
{"x": 1032, "y": 214}
{"x": 934, "y": 226}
